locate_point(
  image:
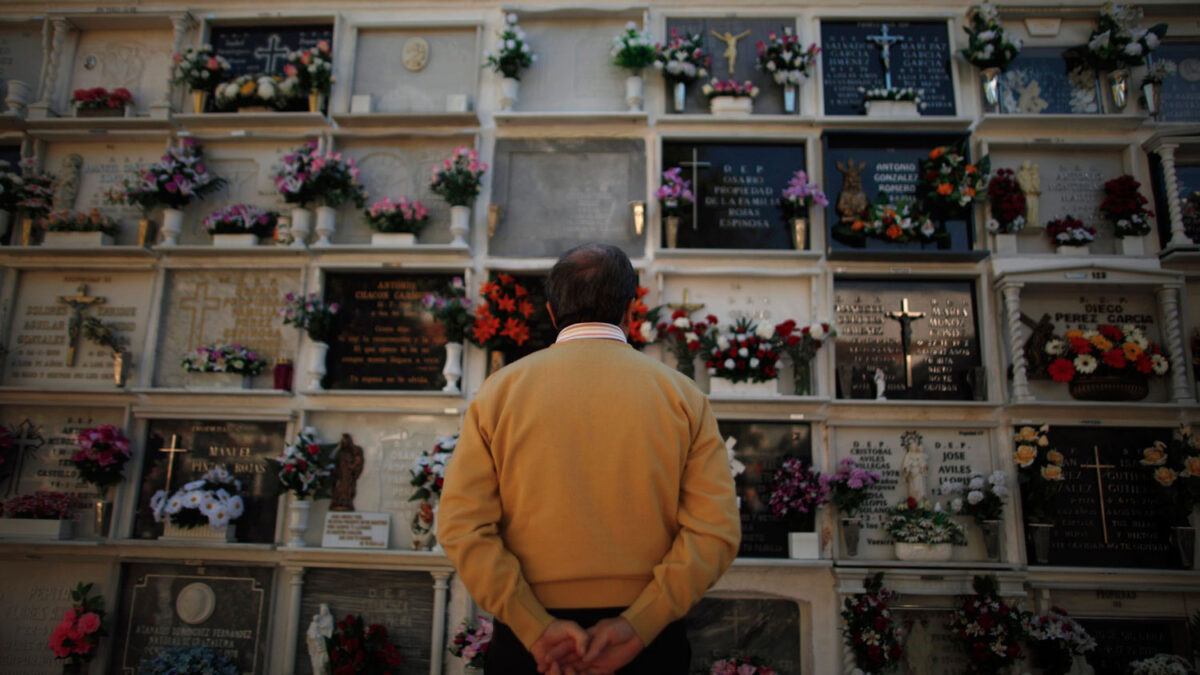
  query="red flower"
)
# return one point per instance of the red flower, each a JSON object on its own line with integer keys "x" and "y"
{"x": 1111, "y": 332}
{"x": 506, "y": 304}
{"x": 1081, "y": 345}
{"x": 1114, "y": 358}
{"x": 505, "y": 278}
{"x": 525, "y": 307}
{"x": 516, "y": 330}
{"x": 485, "y": 327}
{"x": 912, "y": 503}
{"x": 1061, "y": 370}
{"x": 1144, "y": 365}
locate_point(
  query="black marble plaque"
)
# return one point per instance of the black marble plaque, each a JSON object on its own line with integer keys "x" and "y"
{"x": 385, "y": 339}
{"x": 943, "y": 344}
{"x": 1119, "y": 641}
{"x": 770, "y": 96}
{"x": 227, "y": 608}
{"x": 1181, "y": 92}
{"x": 767, "y": 629}
{"x": 1111, "y": 516}
{"x": 762, "y": 447}
{"x": 888, "y": 164}
{"x": 12, "y": 155}
{"x": 264, "y": 49}
{"x": 737, "y": 188}
{"x": 1039, "y": 83}
{"x": 921, "y": 61}
{"x": 402, "y": 602}
{"x": 242, "y": 447}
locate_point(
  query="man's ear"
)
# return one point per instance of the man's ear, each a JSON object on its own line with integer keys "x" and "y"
{"x": 550, "y": 311}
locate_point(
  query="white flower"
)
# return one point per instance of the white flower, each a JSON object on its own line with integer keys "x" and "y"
{"x": 986, "y": 36}
{"x": 1099, "y": 42}
{"x": 1000, "y": 491}
{"x": 771, "y": 66}
{"x": 682, "y": 322}
{"x": 631, "y": 26}
{"x": 974, "y": 497}
{"x": 690, "y": 336}
{"x": 993, "y": 225}
{"x": 1133, "y": 49}
{"x": 952, "y": 486}
{"x": 998, "y": 477}
{"x": 723, "y": 342}
{"x": 928, "y": 228}
{"x": 743, "y": 352}
{"x": 158, "y": 501}
{"x": 956, "y": 505}
{"x": 510, "y": 44}
{"x": 1152, "y": 41}
{"x": 976, "y": 483}
{"x": 174, "y": 505}
{"x": 218, "y": 517}
{"x": 937, "y": 506}
{"x": 525, "y": 47}
{"x": 1160, "y": 364}
{"x": 816, "y": 331}
{"x": 754, "y": 362}
{"x": 764, "y": 331}
{"x": 511, "y": 18}
{"x": 1085, "y": 363}
{"x": 235, "y": 507}
{"x": 729, "y": 364}
{"x": 193, "y": 485}
{"x": 647, "y": 331}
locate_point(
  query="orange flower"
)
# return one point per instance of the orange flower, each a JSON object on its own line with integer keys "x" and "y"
{"x": 488, "y": 289}
{"x": 858, "y": 225}
{"x": 526, "y": 308}
{"x": 517, "y": 330}
{"x": 1025, "y": 455}
{"x": 642, "y": 291}
{"x": 1155, "y": 455}
{"x": 894, "y": 232}
{"x": 1102, "y": 343}
{"x": 936, "y": 152}
{"x": 945, "y": 189}
{"x": 971, "y": 169}
{"x": 1072, "y": 334}
{"x": 1027, "y": 434}
{"x": 1052, "y": 472}
{"x": 506, "y": 304}
{"x": 1132, "y": 351}
{"x": 519, "y": 290}
{"x": 970, "y": 192}
{"x": 1165, "y": 476}
{"x": 1191, "y": 466}
{"x": 485, "y": 327}
{"x": 1054, "y": 457}
{"x": 505, "y": 278}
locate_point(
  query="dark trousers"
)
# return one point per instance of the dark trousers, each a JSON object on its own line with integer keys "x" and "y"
{"x": 669, "y": 653}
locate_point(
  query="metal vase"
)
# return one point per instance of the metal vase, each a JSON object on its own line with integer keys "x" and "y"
{"x": 199, "y": 99}
{"x": 1039, "y": 534}
{"x": 496, "y": 360}
{"x": 800, "y": 233}
{"x": 1152, "y": 94}
{"x": 991, "y": 85}
{"x": 672, "y": 225}
{"x": 120, "y": 368}
{"x": 850, "y": 530}
{"x": 680, "y": 96}
{"x": 1184, "y": 539}
{"x": 991, "y": 538}
{"x": 1118, "y": 83}
{"x": 102, "y": 516}
{"x": 789, "y": 98}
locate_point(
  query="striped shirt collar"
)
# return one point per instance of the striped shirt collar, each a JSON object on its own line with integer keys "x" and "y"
{"x": 591, "y": 331}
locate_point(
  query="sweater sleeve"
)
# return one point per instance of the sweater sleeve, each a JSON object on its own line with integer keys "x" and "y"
{"x": 468, "y": 529}
{"x": 707, "y": 540}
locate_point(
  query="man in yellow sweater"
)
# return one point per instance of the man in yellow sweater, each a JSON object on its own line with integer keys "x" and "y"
{"x": 589, "y": 503}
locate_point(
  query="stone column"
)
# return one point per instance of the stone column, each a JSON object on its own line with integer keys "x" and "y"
{"x": 181, "y": 24}
{"x": 437, "y": 649}
{"x": 51, "y": 51}
{"x": 1016, "y": 331}
{"x": 1168, "y": 303}
{"x": 291, "y": 625}
{"x": 1166, "y": 152}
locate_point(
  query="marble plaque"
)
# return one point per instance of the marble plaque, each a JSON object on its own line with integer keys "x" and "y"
{"x": 735, "y": 297}
{"x": 1039, "y": 83}
{"x": 224, "y": 306}
{"x": 401, "y": 601}
{"x": 1121, "y": 640}
{"x": 919, "y": 59}
{"x": 1072, "y": 183}
{"x": 46, "y": 345}
{"x": 1181, "y": 93}
{"x": 762, "y": 447}
{"x": 951, "y": 455}
{"x": 249, "y": 169}
{"x": 21, "y": 55}
{"x": 380, "y": 72}
{"x": 138, "y": 60}
{"x": 749, "y": 32}
{"x": 227, "y": 608}
{"x": 34, "y": 596}
{"x": 928, "y": 643}
{"x": 583, "y": 190}
{"x": 241, "y": 447}
{"x": 767, "y": 628}
{"x": 264, "y": 48}
{"x": 573, "y": 70}
{"x": 102, "y": 167}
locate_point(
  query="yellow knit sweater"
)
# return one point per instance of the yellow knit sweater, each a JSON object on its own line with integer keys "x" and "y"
{"x": 589, "y": 475}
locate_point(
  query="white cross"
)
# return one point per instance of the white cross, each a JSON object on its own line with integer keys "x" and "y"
{"x": 28, "y": 438}
{"x": 886, "y": 41}
{"x": 272, "y": 52}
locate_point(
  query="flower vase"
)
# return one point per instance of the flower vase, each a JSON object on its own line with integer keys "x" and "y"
{"x": 393, "y": 239}
{"x": 301, "y": 226}
{"x": 460, "y": 224}
{"x": 915, "y": 552}
{"x": 496, "y": 360}
{"x": 789, "y": 98}
{"x": 120, "y": 368}
{"x": 888, "y": 109}
{"x": 1071, "y": 250}
{"x": 226, "y": 534}
{"x": 1152, "y": 93}
{"x": 298, "y": 514}
{"x": 421, "y": 526}
{"x": 802, "y": 378}
{"x": 146, "y": 233}
{"x": 101, "y": 516}
{"x": 247, "y": 381}
{"x": 1131, "y": 246}
{"x": 316, "y": 364}
{"x": 326, "y": 224}
{"x": 316, "y": 102}
{"x": 172, "y": 227}
{"x": 199, "y": 100}
{"x": 1109, "y": 388}
{"x": 719, "y": 386}
{"x": 635, "y": 92}
{"x": 509, "y": 88}
{"x": 672, "y": 225}
{"x": 452, "y": 371}
{"x": 850, "y": 530}
{"x": 1184, "y": 539}
{"x": 1118, "y": 84}
{"x": 804, "y": 545}
{"x": 800, "y": 233}
{"x": 1004, "y": 243}
{"x": 991, "y": 85}
{"x": 235, "y": 240}
{"x": 18, "y": 98}
{"x": 731, "y": 106}
{"x": 76, "y": 239}
{"x": 36, "y": 528}
{"x": 1039, "y": 536}
{"x": 679, "y": 94}
{"x": 991, "y": 538}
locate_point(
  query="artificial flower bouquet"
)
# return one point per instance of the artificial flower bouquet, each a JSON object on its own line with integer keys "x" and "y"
{"x": 682, "y": 59}
{"x": 633, "y": 49}
{"x": 980, "y": 497}
{"x": 801, "y": 343}
{"x": 471, "y": 641}
{"x": 76, "y": 638}
{"x": 1007, "y": 203}
{"x": 458, "y": 178}
{"x": 305, "y": 467}
{"x": 173, "y": 181}
{"x": 312, "y": 68}
{"x": 307, "y": 176}
{"x": 1055, "y": 639}
{"x": 799, "y": 196}
{"x": 401, "y": 215}
{"x": 1162, "y": 664}
{"x": 513, "y": 54}
{"x": 101, "y": 455}
{"x": 257, "y": 90}
{"x": 1176, "y": 470}
{"x": 782, "y": 57}
{"x": 642, "y": 327}
{"x": 988, "y": 629}
{"x": 675, "y": 193}
{"x": 746, "y": 352}
{"x": 99, "y": 98}
{"x": 241, "y": 219}
{"x": 1070, "y": 231}
{"x": 12, "y": 187}
{"x": 1125, "y": 207}
{"x": 502, "y": 320}
{"x": 199, "y": 69}
{"x": 685, "y": 338}
{"x": 948, "y": 183}
{"x": 1039, "y": 472}
{"x": 37, "y": 193}
{"x": 235, "y": 358}
{"x": 310, "y": 314}
{"x": 913, "y": 522}
{"x": 1117, "y": 42}
{"x": 869, "y": 628}
{"x": 211, "y": 500}
{"x": 849, "y": 486}
{"x": 898, "y": 222}
{"x": 988, "y": 45}
{"x": 1107, "y": 351}
{"x": 355, "y": 648}
{"x": 79, "y": 221}
{"x": 1159, "y": 71}
{"x": 740, "y": 665}
{"x": 42, "y": 506}
{"x": 452, "y": 309}
{"x": 797, "y": 489}
{"x": 717, "y": 88}
{"x": 428, "y": 471}
{"x": 892, "y": 94}
{"x": 187, "y": 660}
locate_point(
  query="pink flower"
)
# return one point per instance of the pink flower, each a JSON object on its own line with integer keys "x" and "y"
{"x": 56, "y": 643}
{"x": 290, "y": 70}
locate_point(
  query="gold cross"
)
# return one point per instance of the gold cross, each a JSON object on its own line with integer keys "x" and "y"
{"x": 1100, "y": 486}
{"x": 171, "y": 452}
{"x": 202, "y": 304}
{"x": 685, "y": 306}
{"x": 78, "y": 304}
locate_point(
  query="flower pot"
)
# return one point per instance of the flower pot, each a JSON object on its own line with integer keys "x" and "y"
{"x": 1118, "y": 84}
{"x": 253, "y": 109}
{"x": 924, "y": 552}
{"x": 731, "y": 106}
{"x": 101, "y": 517}
{"x": 790, "y": 92}
{"x": 172, "y": 227}
{"x": 802, "y": 378}
{"x": 247, "y": 381}
{"x": 850, "y": 530}
{"x": 1108, "y": 388}
{"x": 146, "y": 232}
{"x": 208, "y": 381}
{"x": 18, "y": 100}
{"x": 1004, "y": 243}
{"x": 1151, "y": 92}
{"x": 800, "y": 233}
{"x": 35, "y": 528}
{"x": 298, "y": 521}
{"x": 199, "y": 100}
{"x": 679, "y": 96}
{"x": 235, "y": 240}
{"x": 326, "y": 224}
{"x": 120, "y": 368}
{"x": 171, "y": 531}
{"x": 452, "y": 371}
{"x": 635, "y": 92}
{"x": 496, "y": 360}
{"x": 460, "y": 224}
{"x": 1039, "y": 536}
{"x": 892, "y": 109}
{"x": 1184, "y": 539}
{"x": 804, "y": 545}
{"x": 991, "y": 538}
{"x": 991, "y": 85}
{"x": 100, "y": 112}
{"x": 316, "y": 102}
{"x": 316, "y": 364}
{"x": 1134, "y": 246}
{"x": 719, "y": 386}
{"x": 301, "y": 226}
{"x": 509, "y": 88}
{"x": 1071, "y": 250}
{"x": 672, "y": 226}
{"x": 76, "y": 239}
{"x": 395, "y": 239}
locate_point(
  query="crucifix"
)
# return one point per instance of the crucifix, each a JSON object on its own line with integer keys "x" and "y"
{"x": 273, "y": 51}
{"x": 78, "y": 304}
{"x": 695, "y": 164}
{"x": 730, "y": 41}
{"x": 906, "y": 319}
{"x": 27, "y": 438}
{"x": 201, "y": 304}
{"x": 685, "y": 305}
{"x": 1100, "y": 486}
{"x": 886, "y": 41}
{"x": 171, "y": 452}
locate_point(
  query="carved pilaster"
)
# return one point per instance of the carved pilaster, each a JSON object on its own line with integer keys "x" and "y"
{"x": 181, "y": 24}
{"x": 1016, "y": 331}
{"x": 292, "y": 629}
{"x": 441, "y": 586}
{"x": 1168, "y": 304}
{"x": 60, "y": 29}
{"x": 1179, "y": 238}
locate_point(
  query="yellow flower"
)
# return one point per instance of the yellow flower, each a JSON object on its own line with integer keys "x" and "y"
{"x": 1072, "y": 334}
{"x": 1027, "y": 434}
{"x": 1055, "y": 457}
{"x": 1155, "y": 456}
{"x": 1165, "y": 476}
{"x": 247, "y": 89}
{"x": 1102, "y": 343}
{"x": 1132, "y": 351}
{"x": 1052, "y": 472}
{"x": 1191, "y": 466}
{"x": 1043, "y": 441}
{"x": 1025, "y": 455}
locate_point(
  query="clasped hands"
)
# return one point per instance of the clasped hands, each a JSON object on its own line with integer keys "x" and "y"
{"x": 565, "y": 648}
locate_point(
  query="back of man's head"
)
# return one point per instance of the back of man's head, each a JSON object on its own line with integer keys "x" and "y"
{"x": 591, "y": 282}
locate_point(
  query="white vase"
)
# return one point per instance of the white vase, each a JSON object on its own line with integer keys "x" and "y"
{"x": 235, "y": 240}
{"x": 804, "y": 545}
{"x": 202, "y": 533}
{"x": 326, "y": 224}
{"x": 731, "y": 106}
{"x": 453, "y": 368}
{"x": 1071, "y": 250}
{"x": 891, "y": 109}
{"x": 396, "y": 239}
{"x": 924, "y": 552}
{"x": 316, "y": 364}
{"x": 18, "y": 98}
{"x": 460, "y": 224}
{"x": 1135, "y": 246}
{"x": 76, "y": 239}
{"x": 719, "y": 386}
{"x": 301, "y": 226}
{"x": 35, "y": 528}
{"x": 298, "y": 521}
{"x": 635, "y": 92}
{"x": 1004, "y": 244}
{"x": 509, "y": 88}
{"x": 172, "y": 227}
